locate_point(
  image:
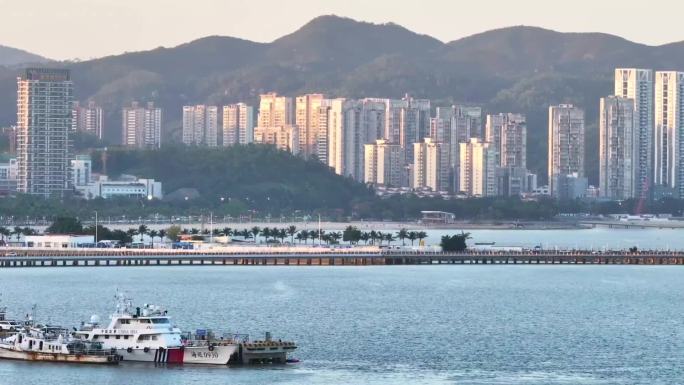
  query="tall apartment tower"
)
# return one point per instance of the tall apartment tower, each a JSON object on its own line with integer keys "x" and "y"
{"x": 275, "y": 111}
{"x": 668, "y": 155}
{"x": 637, "y": 84}
{"x": 141, "y": 126}
{"x": 431, "y": 165}
{"x": 477, "y": 169}
{"x": 384, "y": 164}
{"x": 508, "y": 135}
{"x": 307, "y": 108}
{"x": 323, "y": 132}
{"x": 345, "y": 144}
{"x": 44, "y": 107}
{"x": 616, "y": 145}
{"x": 200, "y": 125}
{"x": 566, "y": 147}
{"x": 87, "y": 118}
{"x": 238, "y": 124}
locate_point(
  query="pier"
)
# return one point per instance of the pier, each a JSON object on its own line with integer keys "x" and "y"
{"x": 30, "y": 257}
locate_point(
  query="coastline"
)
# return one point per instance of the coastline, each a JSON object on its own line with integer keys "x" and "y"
{"x": 362, "y": 225}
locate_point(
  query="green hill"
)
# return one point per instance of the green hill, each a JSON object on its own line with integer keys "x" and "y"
{"x": 254, "y": 176}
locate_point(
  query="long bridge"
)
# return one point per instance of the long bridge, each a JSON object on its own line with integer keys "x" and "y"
{"x": 31, "y": 257}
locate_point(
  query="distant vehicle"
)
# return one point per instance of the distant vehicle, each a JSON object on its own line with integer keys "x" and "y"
{"x": 9, "y": 325}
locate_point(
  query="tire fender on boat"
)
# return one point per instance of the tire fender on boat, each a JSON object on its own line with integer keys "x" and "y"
{"x": 146, "y": 349}
{"x": 130, "y": 350}
{"x": 211, "y": 348}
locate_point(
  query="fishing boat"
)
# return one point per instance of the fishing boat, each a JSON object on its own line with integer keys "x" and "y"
{"x": 31, "y": 344}
{"x": 146, "y": 334}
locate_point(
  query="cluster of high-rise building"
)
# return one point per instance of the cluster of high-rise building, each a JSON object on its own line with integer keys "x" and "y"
{"x": 390, "y": 143}
{"x": 641, "y": 136}
{"x": 394, "y": 143}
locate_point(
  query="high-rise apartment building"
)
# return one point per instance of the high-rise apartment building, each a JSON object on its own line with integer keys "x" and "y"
{"x": 616, "y": 148}
{"x": 477, "y": 169}
{"x": 323, "y": 131}
{"x": 307, "y": 119}
{"x": 87, "y": 118}
{"x": 200, "y": 125}
{"x": 668, "y": 155}
{"x": 238, "y": 124}
{"x": 431, "y": 165}
{"x": 384, "y": 164}
{"x": 282, "y": 137}
{"x": 44, "y": 120}
{"x": 637, "y": 84}
{"x": 275, "y": 111}
{"x": 141, "y": 126}
{"x": 566, "y": 146}
{"x": 507, "y": 133}
{"x": 345, "y": 144}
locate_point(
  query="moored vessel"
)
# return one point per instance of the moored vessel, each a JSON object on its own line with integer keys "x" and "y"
{"x": 146, "y": 334}
{"x": 32, "y": 345}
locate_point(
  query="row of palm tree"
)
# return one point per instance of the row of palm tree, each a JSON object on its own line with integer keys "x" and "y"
{"x": 7, "y": 233}
{"x": 353, "y": 235}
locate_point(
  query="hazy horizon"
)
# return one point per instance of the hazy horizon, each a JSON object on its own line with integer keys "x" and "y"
{"x": 96, "y": 28}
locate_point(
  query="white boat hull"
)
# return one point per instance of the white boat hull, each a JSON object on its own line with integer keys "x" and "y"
{"x": 12, "y": 354}
{"x": 219, "y": 355}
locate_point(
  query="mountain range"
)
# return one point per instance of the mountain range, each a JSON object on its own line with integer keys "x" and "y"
{"x": 517, "y": 69}
{"x": 12, "y": 57}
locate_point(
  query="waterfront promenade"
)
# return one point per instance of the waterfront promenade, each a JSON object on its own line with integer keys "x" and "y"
{"x": 321, "y": 256}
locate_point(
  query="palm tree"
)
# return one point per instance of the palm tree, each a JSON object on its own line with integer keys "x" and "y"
{"x": 373, "y": 236}
{"x": 142, "y": 230}
{"x": 131, "y": 233}
{"x": 255, "y": 232}
{"x": 246, "y": 234}
{"x": 365, "y": 236}
{"x": 313, "y": 234}
{"x": 402, "y": 234}
{"x": 205, "y": 232}
{"x": 335, "y": 236}
{"x": 421, "y": 235}
{"x": 266, "y": 233}
{"x": 282, "y": 234}
{"x": 194, "y": 231}
{"x": 5, "y": 232}
{"x": 185, "y": 231}
{"x": 153, "y": 234}
{"x": 227, "y": 231}
{"x": 162, "y": 235}
{"x": 291, "y": 232}
{"x": 303, "y": 236}
{"x": 18, "y": 231}
{"x": 389, "y": 238}
{"x": 412, "y": 236}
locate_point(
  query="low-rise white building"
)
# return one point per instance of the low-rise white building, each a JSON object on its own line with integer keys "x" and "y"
{"x": 127, "y": 187}
{"x": 58, "y": 241}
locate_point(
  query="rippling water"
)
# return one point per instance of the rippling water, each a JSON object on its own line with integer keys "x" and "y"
{"x": 385, "y": 325}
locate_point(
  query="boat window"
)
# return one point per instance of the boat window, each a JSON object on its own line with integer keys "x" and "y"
{"x": 95, "y": 337}
{"x": 160, "y": 320}
{"x": 154, "y": 338}
{"x": 125, "y": 337}
{"x": 106, "y": 337}
{"x": 125, "y": 321}
{"x": 144, "y": 321}
{"x": 118, "y": 337}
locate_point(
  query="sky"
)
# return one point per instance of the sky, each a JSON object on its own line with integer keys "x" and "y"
{"x": 83, "y": 29}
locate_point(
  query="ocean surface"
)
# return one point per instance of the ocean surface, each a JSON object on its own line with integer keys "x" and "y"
{"x": 384, "y": 324}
